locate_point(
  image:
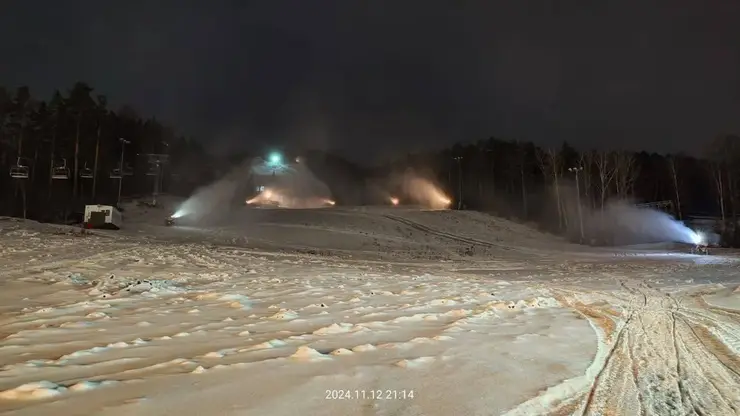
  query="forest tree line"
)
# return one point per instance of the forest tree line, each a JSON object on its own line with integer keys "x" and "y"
{"x": 75, "y": 132}
{"x": 59, "y": 153}
{"x": 548, "y": 185}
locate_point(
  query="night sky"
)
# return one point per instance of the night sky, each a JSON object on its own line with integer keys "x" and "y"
{"x": 374, "y": 78}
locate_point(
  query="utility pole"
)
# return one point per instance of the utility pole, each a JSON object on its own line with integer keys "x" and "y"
{"x": 576, "y": 170}
{"x": 156, "y": 161}
{"x": 124, "y": 142}
{"x": 459, "y": 181}
{"x": 156, "y": 182}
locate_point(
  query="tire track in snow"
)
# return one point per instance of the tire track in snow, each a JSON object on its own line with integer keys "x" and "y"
{"x": 671, "y": 378}
{"x": 661, "y": 356}
{"x": 672, "y": 382}
{"x": 716, "y": 396}
{"x": 449, "y": 236}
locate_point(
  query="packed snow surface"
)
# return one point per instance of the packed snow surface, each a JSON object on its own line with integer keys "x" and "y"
{"x": 358, "y": 311}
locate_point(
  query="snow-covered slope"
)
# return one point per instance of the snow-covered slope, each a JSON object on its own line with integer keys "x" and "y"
{"x": 368, "y": 232}
{"x": 150, "y": 320}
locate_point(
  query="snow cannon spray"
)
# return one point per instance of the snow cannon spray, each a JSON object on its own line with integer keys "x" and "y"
{"x": 684, "y": 234}
{"x": 170, "y": 221}
{"x": 701, "y": 243}
{"x": 651, "y": 225}
{"x": 698, "y": 240}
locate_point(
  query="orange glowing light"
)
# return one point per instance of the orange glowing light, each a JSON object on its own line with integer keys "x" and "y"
{"x": 425, "y": 193}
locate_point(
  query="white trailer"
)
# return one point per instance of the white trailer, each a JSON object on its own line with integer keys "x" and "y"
{"x": 102, "y": 216}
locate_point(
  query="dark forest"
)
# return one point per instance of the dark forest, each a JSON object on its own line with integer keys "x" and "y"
{"x": 61, "y": 153}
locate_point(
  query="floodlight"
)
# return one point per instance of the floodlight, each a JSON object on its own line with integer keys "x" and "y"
{"x": 275, "y": 158}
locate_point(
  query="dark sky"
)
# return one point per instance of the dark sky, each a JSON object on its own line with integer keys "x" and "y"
{"x": 365, "y": 75}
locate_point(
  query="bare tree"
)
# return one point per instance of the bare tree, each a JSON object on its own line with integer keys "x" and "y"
{"x": 674, "y": 175}
{"x": 625, "y": 173}
{"x": 551, "y": 164}
{"x": 606, "y": 170}
{"x": 586, "y": 160}
{"x": 522, "y": 167}
{"x": 101, "y": 112}
{"x": 721, "y": 153}
{"x": 717, "y": 169}
{"x": 731, "y": 156}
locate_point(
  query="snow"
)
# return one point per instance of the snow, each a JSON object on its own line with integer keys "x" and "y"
{"x": 383, "y": 310}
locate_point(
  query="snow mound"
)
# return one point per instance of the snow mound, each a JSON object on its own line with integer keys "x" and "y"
{"x": 117, "y": 286}
{"x": 308, "y": 354}
{"x": 33, "y": 391}
{"x": 40, "y": 390}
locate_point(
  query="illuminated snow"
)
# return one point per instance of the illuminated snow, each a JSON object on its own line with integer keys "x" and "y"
{"x": 264, "y": 313}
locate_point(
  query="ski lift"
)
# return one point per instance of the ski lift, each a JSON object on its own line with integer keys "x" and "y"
{"x": 153, "y": 170}
{"x": 60, "y": 172}
{"x": 115, "y": 173}
{"x": 19, "y": 171}
{"x": 86, "y": 173}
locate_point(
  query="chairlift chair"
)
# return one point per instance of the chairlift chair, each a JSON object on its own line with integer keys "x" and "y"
{"x": 152, "y": 171}
{"x": 60, "y": 172}
{"x": 86, "y": 173}
{"x": 19, "y": 171}
{"x": 115, "y": 173}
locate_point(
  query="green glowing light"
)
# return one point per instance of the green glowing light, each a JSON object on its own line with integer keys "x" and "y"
{"x": 275, "y": 158}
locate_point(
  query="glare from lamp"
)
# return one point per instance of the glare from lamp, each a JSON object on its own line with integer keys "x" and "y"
{"x": 275, "y": 158}
{"x": 699, "y": 238}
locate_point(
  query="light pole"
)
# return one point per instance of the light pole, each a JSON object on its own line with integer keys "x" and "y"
{"x": 459, "y": 181}
{"x": 575, "y": 170}
{"x": 124, "y": 142}
{"x": 157, "y": 175}
{"x": 156, "y": 162}
{"x": 275, "y": 162}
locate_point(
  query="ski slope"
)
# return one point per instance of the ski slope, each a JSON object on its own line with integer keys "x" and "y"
{"x": 358, "y": 310}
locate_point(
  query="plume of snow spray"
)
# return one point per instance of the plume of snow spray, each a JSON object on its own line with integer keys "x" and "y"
{"x": 628, "y": 222}
{"x": 215, "y": 198}
{"x": 293, "y": 185}
{"x": 423, "y": 191}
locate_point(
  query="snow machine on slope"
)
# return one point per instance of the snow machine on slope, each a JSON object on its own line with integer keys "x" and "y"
{"x": 701, "y": 249}
{"x": 169, "y": 221}
{"x": 702, "y": 241}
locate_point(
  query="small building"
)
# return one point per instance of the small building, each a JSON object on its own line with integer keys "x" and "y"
{"x": 102, "y": 216}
